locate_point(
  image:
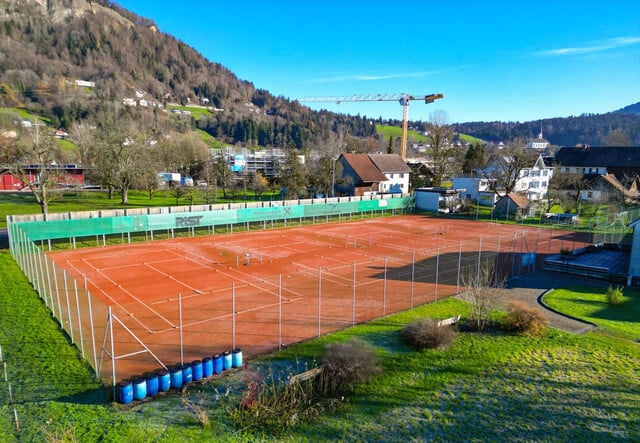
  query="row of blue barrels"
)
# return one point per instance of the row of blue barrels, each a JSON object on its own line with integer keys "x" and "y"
{"x": 162, "y": 380}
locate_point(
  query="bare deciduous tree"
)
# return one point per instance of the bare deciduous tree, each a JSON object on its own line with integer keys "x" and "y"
{"x": 508, "y": 164}
{"x": 35, "y": 146}
{"x": 482, "y": 292}
{"x": 439, "y": 138}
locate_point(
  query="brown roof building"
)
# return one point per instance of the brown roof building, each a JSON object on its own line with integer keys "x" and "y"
{"x": 365, "y": 174}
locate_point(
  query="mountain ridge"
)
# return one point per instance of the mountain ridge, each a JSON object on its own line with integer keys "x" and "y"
{"x": 48, "y": 45}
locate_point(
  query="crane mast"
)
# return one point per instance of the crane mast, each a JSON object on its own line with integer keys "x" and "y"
{"x": 403, "y": 99}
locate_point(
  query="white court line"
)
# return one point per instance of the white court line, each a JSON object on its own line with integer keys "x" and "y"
{"x": 129, "y": 313}
{"x": 171, "y": 277}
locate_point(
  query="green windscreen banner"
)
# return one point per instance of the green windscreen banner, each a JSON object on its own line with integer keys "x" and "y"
{"x": 91, "y": 226}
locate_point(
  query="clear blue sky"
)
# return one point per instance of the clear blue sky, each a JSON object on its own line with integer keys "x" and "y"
{"x": 516, "y": 60}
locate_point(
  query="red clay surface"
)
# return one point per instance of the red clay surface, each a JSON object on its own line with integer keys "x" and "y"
{"x": 256, "y": 290}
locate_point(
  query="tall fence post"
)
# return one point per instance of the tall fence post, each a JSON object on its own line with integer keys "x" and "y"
{"x": 319, "y": 298}
{"x": 413, "y": 275}
{"x": 93, "y": 340}
{"x": 479, "y": 259}
{"x": 233, "y": 315}
{"x": 279, "y": 311}
{"x": 180, "y": 327}
{"x": 437, "y": 269}
{"x": 113, "y": 352}
{"x": 75, "y": 284}
{"x": 384, "y": 289}
{"x": 459, "y": 266}
{"x": 353, "y": 296}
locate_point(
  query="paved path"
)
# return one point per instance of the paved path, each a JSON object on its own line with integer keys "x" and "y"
{"x": 528, "y": 288}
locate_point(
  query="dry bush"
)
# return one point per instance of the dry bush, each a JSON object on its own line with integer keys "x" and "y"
{"x": 524, "y": 319}
{"x": 198, "y": 410}
{"x": 426, "y": 334}
{"x": 346, "y": 364}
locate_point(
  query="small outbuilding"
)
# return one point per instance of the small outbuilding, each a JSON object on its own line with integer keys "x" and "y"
{"x": 443, "y": 200}
{"x": 514, "y": 205}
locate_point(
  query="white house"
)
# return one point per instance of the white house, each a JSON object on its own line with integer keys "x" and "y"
{"x": 85, "y": 84}
{"x": 395, "y": 170}
{"x": 534, "y": 181}
{"x": 473, "y": 185}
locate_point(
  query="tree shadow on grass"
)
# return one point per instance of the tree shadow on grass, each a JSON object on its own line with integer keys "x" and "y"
{"x": 96, "y": 396}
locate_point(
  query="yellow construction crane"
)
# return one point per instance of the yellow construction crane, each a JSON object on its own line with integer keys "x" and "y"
{"x": 403, "y": 99}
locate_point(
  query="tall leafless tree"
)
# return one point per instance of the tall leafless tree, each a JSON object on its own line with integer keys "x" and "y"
{"x": 441, "y": 148}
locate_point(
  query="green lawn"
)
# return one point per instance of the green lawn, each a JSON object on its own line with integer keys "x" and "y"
{"x": 396, "y": 132}
{"x": 196, "y": 112}
{"x": 589, "y": 304}
{"x": 21, "y": 203}
{"x": 491, "y": 386}
{"x": 470, "y": 139}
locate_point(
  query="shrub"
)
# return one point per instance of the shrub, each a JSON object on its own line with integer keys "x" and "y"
{"x": 524, "y": 319}
{"x": 273, "y": 405}
{"x": 614, "y": 296}
{"x": 198, "y": 410}
{"x": 346, "y": 364}
{"x": 426, "y": 334}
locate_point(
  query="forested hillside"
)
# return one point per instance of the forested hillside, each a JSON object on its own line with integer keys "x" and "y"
{"x": 613, "y": 128}
{"x": 47, "y": 46}
{"x": 72, "y": 60}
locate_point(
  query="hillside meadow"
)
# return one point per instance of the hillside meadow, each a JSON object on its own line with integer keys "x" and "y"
{"x": 488, "y": 386}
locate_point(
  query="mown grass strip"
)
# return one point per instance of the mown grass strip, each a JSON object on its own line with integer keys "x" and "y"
{"x": 590, "y": 304}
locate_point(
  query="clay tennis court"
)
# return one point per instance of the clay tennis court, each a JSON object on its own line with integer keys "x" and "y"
{"x": 184, "y": 299}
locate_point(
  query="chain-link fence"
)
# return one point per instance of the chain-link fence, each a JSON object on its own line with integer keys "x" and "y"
{"x": 257, "y": 311}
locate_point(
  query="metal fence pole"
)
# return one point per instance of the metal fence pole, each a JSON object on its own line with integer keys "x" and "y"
{"x": 75, "y": 285}
{"x": 459, "y": 265}
{"x": 180, "y": 327}
{"x": 319, "y": 298}
{"x": 55, "y": 282}
{"x": 437, "y": 269}
{"x": 68, "y": 308}
{"x": 279, "y": 311}
{"x": 384, "y": 289}
{"x": 233, "y": 315}
{"x": 93, "y": 340}
{"x": 413, "y": 274}
{"x": 353, "y": 296}
{"x": 113, "y": 352}
{"x": 479, "y": 259}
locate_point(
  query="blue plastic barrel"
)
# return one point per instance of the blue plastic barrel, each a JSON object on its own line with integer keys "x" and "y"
{"x": 187, "y": 374}
{"x": 236, "y": 357}
{"x": 176, "y": 376}
{"x": 207, "y": 367}
{"x": 217, "y": 364}
{"x": 196, "y": 370}
{"x": 152, "y": 383}
{"x": 139, "y": 387}
{"x": 125, "y": 391}
{"x": 164, "y": 380}
{"x": 226, "y": 360}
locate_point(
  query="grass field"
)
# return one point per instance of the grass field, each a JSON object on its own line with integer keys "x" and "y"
{"x": 491, "y": 386}
{"x": 622, "y": 321}
{"x": 396, "y": 132}
{"x": 20, "y": 203}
